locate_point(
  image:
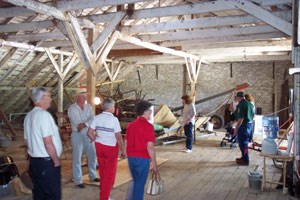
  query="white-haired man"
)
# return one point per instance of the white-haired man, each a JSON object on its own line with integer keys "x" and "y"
{"x": 81, "y": 115}
{"x": 42, "y": 139}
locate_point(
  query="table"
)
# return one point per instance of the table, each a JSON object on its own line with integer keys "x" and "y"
{"x": 284, "y": 159}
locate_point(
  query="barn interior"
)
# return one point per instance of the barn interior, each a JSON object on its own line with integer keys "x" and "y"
{"x": 157, "y": 50}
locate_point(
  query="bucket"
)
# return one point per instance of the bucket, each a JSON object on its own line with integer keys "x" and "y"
{"x": 209, "y": 126}
{"x": 255, "y": 180}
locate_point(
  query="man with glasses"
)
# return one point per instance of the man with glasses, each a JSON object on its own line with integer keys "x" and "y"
{"x": 42, "y": 139}
{"x": 81, "y": 115}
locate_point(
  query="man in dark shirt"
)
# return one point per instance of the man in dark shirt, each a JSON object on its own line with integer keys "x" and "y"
{"x": 244, "y": 127}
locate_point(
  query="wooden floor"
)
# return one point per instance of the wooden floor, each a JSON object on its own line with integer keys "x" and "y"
{"x": 209, "y": 172}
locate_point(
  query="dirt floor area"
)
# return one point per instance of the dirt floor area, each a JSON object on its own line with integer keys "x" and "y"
{"x": 209, "y": 172}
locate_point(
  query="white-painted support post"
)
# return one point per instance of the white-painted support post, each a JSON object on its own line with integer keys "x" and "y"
{"x": 60, "y": 92}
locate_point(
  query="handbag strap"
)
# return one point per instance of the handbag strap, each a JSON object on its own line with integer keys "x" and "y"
{"x": 155, "y": 175}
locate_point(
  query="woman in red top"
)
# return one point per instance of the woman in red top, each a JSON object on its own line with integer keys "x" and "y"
{"x": 140, "y": 149}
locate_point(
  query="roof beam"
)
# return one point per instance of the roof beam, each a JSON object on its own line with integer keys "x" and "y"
{"x": 186, "y": 9}
{"x": 39, "y": 8}
{"x": 132, "y": 29}
{"x": 15, "y": 11}
{"x": 54, "y": 63}
{"x": 155, "y": 47}
{"x": 31, "y": 26}
{"x": 19, "y": 11}
{"x": 132, "y": 52}
{"x": 36, "y": 36}
{"x": 230, "y": 44}
{"x": 205, "y": 22}
{"x": 108, "y": 46}
{"x": 225, "y": 39}
{"x": 107, "y": 31}
{"x": 79, "y": 4}
{"x": 263, "y": 14}
{"x": 80, "y": 43}
{"x": 33, "y": 48}
{"x": 214, "y": 32}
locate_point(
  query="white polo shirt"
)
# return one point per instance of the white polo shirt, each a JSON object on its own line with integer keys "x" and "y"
{"x": 106, "y": 125}
{"x": 39, "y": 124}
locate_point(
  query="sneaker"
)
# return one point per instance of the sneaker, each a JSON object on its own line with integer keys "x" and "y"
{"x": 81, "y": 186}
{"x": 242, "y": 162}
{"x": 188, "y": 151}
{"x": 96, "y": 180}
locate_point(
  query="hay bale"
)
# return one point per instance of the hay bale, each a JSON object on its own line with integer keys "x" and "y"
{"x": 164, "y": 116}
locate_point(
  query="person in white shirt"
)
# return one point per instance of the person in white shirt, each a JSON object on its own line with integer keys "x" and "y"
{"x": 108, "y": 140}
{"x": 81, "y": 115}
{"x": 188, "y": 122}
{"x": 44, "y": 147}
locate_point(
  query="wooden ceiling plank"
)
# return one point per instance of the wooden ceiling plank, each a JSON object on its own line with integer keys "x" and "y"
{"x": 263, "y": 14}
{"x": 28, "y": 67}
{"x": 44, "y": 77}
{"x": 155, "y": 47}
{"x": 37, "y": 71}
{"x": 10, "y": 70}
{"x": 7, "y": 56}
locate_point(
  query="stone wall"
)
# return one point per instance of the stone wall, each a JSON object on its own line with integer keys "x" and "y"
{"x": 213, "y": 79}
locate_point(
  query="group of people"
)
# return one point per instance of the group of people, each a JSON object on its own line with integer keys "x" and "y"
{"x": 99, "y": 137}
{"x": 243, "y": 110}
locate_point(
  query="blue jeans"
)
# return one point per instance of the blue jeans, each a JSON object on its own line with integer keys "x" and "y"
{"x": 244, "y": 134}
{"x": 139, "y": 168}
{"x": 46, "y": 179}
{"x": 188, "y": 131}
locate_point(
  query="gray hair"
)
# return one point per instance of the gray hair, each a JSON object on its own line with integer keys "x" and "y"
{"x": 37, "y": 93}
{"x": 107, "y": 103}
